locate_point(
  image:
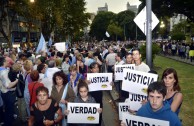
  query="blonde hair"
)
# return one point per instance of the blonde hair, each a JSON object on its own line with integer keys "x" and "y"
{"x": 90, "y": 54}
{"x": 27, "y": 65}
{"x": 16, "y": 67}
{"x": 79, "y": 56}
{"x": 72, "y": 68}
{"x": 58, "y": 62}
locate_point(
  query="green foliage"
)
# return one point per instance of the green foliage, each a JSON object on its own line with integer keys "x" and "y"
{"x": 155, "y": 50}
{"x": 178, "y": 36}
{"x": 100, "y": 24}
{"x": 172, "y": 7}
{"x": 114, "y": 31}
{"x": 124, "y": 19}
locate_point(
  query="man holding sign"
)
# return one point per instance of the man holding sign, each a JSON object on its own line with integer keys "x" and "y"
{"x": 157, "y": 107}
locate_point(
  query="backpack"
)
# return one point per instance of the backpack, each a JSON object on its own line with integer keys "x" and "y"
{"x": 20, "y": 86}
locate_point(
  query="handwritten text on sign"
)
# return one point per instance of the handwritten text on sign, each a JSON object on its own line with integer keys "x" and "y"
{"x": 137, "y": 82}
{"x": 99, "y": 81}
{"x": 83, "y": 113}
{"x": 119, "y": 70}
{"x": 131, "y": 120}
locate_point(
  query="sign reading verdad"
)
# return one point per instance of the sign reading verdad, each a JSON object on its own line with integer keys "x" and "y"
{"x": 83, "y": 113}
{"x": 131, "y": 120}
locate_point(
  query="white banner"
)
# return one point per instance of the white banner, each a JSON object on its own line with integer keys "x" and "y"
{"x": 137, "y": 82}
{"x": 99, "y": 81}
{"x": 83, "y": 113}
{"x": 123, "y": 108}
{"x": 60, "y": 46}
{"x": 135, "y": 101}
{"x": 132, "y": 120}
{"x": 119, "y": 70}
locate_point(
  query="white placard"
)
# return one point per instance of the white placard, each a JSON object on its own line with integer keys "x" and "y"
{"x": 123, "y": 108}
{"x": 99, "y": 81}
{"x": 132, "y": 120}
{"x": 119, "y": 70}
{"x": 83, "y": 113}
{"x": 137, "y": 82}
{"x": 60, "y": 46}
{"x": 135, "y": 101}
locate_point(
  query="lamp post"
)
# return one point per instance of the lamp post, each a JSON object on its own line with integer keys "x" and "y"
{"x": 31, "y": 1}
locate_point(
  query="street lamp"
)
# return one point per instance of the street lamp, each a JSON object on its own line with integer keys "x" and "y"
{"x": 31, "y": 1}
{"x": 162, "y": 25}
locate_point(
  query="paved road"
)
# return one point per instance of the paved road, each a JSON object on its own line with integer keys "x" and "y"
{"x": 110, "y": 111}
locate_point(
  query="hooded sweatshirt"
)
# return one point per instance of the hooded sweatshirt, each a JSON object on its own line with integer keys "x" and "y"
{"x": 164, "y": 113}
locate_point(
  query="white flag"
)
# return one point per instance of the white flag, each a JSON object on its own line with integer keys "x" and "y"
{"x": 107, "y": 34}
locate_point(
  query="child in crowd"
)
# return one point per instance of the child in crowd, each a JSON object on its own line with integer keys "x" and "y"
{"x": 83, "y": 97}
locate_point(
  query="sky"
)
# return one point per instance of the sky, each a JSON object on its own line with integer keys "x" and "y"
{"x": 115, "y": 6}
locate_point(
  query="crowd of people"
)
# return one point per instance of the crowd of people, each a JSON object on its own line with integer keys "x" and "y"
{"x": 183, "y": 50}
{"x": 43, "y": 84}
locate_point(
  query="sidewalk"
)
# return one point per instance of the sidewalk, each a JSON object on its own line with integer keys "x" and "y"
{"x": 177, "y": 58}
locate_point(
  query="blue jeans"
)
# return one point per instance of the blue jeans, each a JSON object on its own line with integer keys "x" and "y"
{"x": 9, "y": 101}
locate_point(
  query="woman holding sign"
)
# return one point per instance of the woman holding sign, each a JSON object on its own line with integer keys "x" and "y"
{"x": 83, "y": 97}
{"x": 173, "y": 96}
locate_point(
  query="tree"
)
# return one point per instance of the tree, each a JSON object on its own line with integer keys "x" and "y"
{"x": 66, "y": 17}
{"x": 100, "y": 24}
{"x": 114, "y": 30}
{"x": 172, "y": 7}
{"x": 125, "y": 21}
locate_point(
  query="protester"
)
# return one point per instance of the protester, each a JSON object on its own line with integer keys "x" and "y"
{"x": 139, "y": 65}
{"x": 110, "y": 59}
{"x": 118, "y": 83}
{"x": 61, "y": 92}
{"x": 60, "y": 82}
{"x": 43, "y": 111}
{"x": 174, "y": 95}
{"x": 41, "y": 69}
{"x": 97, "y": 95}
{"x": 66, "y": 64}
{"x": 1, "y": 110}
{"x": 83, "y": 97}
{"x": 28, "y": 68}
{"x": 157, "y": 107}
{"x": 7, "y": 92}
{"x": 73, "y": 78}
{"x": 34, "y": 75}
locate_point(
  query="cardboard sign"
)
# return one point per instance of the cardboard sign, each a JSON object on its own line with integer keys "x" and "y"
{"x": 137, "y": 82}
{"x": 123, "y": 108}
{"x": 99, "y": 81}
{"x": 119, "y": 70}
{"x": 135, "y": 101}
{"x": 132, "y": 120}
{"x": 83, "y": 113}
{"x": 60, "y": 46}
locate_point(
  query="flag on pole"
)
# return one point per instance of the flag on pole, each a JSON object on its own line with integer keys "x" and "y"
{"x": 41, "y": 44}
{"x": 50, "y": 42}
{"x": 18, "y": 49}
{"x": 107, "y": 34}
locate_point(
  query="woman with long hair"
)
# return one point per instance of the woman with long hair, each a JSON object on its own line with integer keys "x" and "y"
{"x": 174, "y": 95}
